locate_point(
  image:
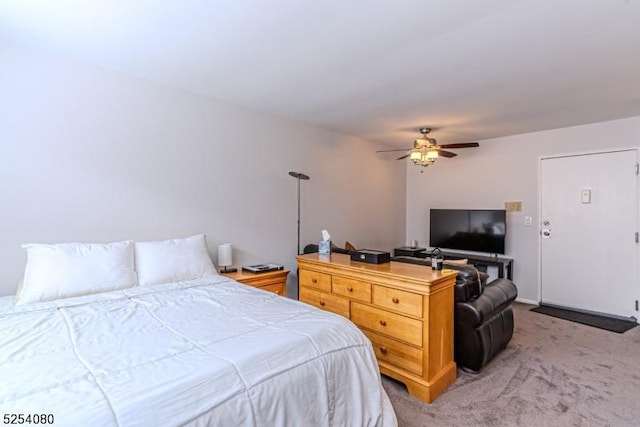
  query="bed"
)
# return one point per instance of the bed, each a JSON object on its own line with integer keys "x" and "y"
{"x": 208, "y": 351}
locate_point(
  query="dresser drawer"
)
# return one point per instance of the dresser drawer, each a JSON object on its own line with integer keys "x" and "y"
{"x": 387, "y": 323}
{"x": 276, "y": 288}
{"x": 354, "y": 289}
{"x": 397, "y": 300}
{"x": 399, "y": 354}
{"x": 328, "y": 302}
{"x": 313, "y": 279}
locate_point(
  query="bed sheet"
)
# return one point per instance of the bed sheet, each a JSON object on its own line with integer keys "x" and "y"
{"x": 202, "y": 352}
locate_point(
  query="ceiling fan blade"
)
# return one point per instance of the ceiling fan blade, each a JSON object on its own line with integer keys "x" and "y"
{"x": 388, "y": 151}
{"x": 461, "y": 145}
{"x": 446, "y": 153}
{"x": 402, "y": 157}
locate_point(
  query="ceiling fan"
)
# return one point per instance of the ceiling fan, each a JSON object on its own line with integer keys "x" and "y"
{"x": 426, "y": 150}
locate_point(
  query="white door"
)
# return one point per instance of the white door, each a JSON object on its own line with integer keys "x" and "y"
{"x": 589, "y": 220}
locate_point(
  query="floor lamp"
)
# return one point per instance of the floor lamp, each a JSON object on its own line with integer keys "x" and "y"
{"x": 299, "y": 176}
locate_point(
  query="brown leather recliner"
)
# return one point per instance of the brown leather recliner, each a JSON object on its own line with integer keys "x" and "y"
{"x": 483, "y": 317}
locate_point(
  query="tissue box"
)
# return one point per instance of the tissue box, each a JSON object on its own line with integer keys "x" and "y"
{"x": 370, "y": 256}
{"x": 324, "y": 247}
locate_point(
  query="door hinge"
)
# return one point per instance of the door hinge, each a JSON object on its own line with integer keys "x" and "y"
{"x": 637, "y": 168}
{"x": 636, "y": 305}
{"x": 637, "y": 237}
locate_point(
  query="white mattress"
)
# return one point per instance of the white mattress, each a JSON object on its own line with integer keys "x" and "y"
{"x": 203, "y": 352}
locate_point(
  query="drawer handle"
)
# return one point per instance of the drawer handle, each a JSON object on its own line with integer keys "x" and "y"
{"x": 350, "y": 289}
{"x": 383, "y": 350}
{"x": 314, "y": 280}
{"x": 383, "y": 322}
{"x": 395, "y": 300}
{"x": 322, "y": 303}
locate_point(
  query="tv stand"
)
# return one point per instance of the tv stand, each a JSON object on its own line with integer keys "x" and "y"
{"x": 504, "y": 264}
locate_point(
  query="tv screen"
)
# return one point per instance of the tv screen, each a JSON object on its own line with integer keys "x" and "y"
{"x": 478, "y": 230}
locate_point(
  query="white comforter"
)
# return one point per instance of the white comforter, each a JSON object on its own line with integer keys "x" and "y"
{"x": 202, "y": 352}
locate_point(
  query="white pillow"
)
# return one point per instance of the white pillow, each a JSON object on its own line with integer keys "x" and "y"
{"x": 173, "y": 260}
{"x": 70, "y": 269}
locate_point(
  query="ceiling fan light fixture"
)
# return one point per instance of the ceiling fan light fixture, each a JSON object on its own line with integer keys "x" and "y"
{"x": 423, "y": 156}
{"x": 426, "y": 150}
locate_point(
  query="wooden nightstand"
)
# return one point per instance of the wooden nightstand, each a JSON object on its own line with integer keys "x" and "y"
{"x": 273, "y": 281}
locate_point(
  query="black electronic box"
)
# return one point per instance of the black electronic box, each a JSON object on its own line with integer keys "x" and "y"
{"x": 370, "y": 256}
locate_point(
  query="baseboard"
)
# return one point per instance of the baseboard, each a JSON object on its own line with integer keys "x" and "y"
{"x": 527, "y": 301}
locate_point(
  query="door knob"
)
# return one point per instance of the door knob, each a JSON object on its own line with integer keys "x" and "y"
{"x": 546, "y": 233}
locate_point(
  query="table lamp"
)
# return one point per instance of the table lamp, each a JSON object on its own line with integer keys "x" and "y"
{"x": 225, "y": 258}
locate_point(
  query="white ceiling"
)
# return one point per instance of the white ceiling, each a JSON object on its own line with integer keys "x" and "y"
{"x": 377, "y": 69}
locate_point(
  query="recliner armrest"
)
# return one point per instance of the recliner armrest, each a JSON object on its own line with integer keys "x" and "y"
{"x": 312, "y": 248}
{"x": 495, "y": 297}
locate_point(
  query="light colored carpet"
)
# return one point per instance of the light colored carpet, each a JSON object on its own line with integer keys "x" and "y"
{"x": 552, "y": 373}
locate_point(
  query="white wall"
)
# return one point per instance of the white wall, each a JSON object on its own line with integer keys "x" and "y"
{"x": 507, "y": 169}
{"x": 92, "y": 155}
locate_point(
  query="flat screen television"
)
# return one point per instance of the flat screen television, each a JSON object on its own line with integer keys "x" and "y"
{"x": 477, "y": 230}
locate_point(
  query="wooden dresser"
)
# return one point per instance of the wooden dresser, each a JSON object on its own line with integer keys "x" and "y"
{"x": 272, "y": 281}
{"x": 405, "y": 310}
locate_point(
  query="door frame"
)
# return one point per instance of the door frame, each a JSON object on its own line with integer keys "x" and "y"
{"x": 539, "y": 221}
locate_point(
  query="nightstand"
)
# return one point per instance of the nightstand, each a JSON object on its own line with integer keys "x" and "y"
{"x": 273, "y": 281}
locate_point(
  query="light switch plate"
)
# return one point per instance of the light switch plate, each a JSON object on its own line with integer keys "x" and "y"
{"x": 585, "y": 195}
{"x": 528, "y": 220}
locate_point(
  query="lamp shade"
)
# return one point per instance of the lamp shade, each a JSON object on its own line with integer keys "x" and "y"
{"x": 225, "y": 257}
